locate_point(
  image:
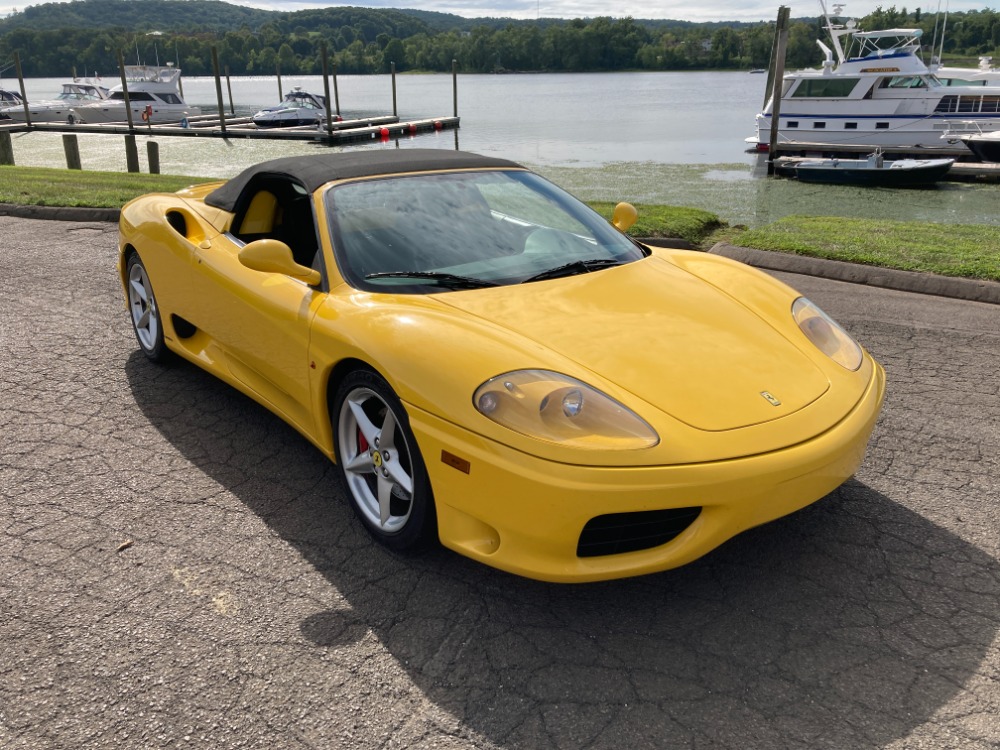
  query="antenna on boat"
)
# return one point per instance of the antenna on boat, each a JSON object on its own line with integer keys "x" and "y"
{"x": 835, "y": 30}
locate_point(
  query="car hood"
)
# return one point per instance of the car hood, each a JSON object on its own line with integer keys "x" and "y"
{"x": 665, "y": 336}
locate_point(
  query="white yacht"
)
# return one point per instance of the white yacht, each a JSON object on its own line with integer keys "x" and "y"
{"x": 298, "y": 107}
{"x": 154, "y": 96}
{"x": 876, "y": 92}
{"x": 984, "y": 75}
{"x": 73, "y": 94}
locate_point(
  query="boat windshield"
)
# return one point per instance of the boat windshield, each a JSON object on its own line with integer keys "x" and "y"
{"x": 424, "y": 233}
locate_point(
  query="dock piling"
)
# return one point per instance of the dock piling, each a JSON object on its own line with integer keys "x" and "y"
{"x": 229, "y": 86}
{"x": 277, "y": 72}
{"x": 153, "y": 156}
{"x": 454, "y": 86}
{"x": 131, "y": 154}
{"x": 326, "y": 90}
{"x": 781, "y": 33}
{"x": 72, "y": 150}
{"x": 218, "y": 90}
{"x": 128, "y": 106}
{"x": 392, "y": 73}
{"x": 6, "y": 150}
{"x": 24, "y": 96}
{"x": 336, "y": 91}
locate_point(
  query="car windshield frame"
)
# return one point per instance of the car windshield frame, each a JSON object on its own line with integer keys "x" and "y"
{"x": 413, "y": 233}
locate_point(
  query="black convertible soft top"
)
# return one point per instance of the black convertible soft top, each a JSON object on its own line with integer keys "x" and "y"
{"x": 312, "y": 171}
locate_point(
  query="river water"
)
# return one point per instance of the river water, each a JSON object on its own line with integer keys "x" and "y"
{"x": 662, "y": 138}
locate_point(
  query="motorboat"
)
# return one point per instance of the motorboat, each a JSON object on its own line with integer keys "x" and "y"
{"x": 10, "y": 99}
{"x": 873, "y": 89}
{"x": 984, "y": 75}
{"x": 986, "y": 146}
{"x": 74, "y": 93}
{"x": 298, "y": 107}
{"x": 154, "y": 97}
{"x": 874, "y": 170}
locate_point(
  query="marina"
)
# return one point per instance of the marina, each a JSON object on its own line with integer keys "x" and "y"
{"x": 673, "y": 148}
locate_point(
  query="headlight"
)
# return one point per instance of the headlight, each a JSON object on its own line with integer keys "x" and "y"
{"x": 560, "y": 409}
{"x": 826, "y": 334}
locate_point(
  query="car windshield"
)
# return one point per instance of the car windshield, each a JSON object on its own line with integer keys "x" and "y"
{"x": 460, "y": 230}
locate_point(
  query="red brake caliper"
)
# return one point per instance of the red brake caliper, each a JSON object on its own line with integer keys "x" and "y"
{"x": 362, "y": 443}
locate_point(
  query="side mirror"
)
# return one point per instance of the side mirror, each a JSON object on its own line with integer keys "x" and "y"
{"x": 624, "y": 216}
{"x": 273, "y": 256}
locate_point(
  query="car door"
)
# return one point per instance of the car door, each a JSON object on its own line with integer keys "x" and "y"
{"x": 259, "y": 322}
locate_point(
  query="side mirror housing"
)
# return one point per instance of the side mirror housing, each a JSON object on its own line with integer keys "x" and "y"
{"x": 274, "y": 256}
{"x": 624, "y": 216}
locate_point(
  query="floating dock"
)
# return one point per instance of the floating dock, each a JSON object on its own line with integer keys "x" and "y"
{"x": 212, "y": 126}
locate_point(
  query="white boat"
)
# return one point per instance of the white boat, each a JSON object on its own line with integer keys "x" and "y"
{"x": 984, "y": 75}
{"x": 154, "y": 96}
{"x": 877, "y": 92}
{"x": 984, "y": 144}
{"x": 74, "y": 93}
{"x": 297, "y": 108}
{"x": 10, "y": 98}
{"x": 873, "y": 171}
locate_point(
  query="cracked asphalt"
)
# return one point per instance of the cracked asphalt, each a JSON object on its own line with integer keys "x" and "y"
{"x": 180, "y": 569}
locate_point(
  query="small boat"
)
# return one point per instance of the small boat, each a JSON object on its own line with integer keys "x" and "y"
{"x": 74, "y": 93}
{"x": 153, "y": 94}
{"x": 297, "y": 108}
{"x": 986, "y": 146}
{"x": 871, "y": 171}
{"x": 10, "y": 98}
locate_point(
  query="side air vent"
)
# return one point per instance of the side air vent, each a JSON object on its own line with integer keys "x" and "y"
{"x": 616, "y": 533}
{"x": 176, "y": 220}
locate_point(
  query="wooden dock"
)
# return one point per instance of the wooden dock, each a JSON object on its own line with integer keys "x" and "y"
{"x": 211, "y": 126}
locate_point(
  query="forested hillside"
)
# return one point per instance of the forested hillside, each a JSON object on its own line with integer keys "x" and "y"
{"x": 86, "y": 35}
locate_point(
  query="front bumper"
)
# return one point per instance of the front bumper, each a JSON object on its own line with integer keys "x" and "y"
{"x": 525, "y": 515}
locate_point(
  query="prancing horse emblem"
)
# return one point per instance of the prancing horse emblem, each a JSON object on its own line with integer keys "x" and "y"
{"x": 770, "y": 398}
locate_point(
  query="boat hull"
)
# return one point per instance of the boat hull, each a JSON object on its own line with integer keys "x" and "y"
{"x": 985, "y": 148}
{"x": 861, "y": 172}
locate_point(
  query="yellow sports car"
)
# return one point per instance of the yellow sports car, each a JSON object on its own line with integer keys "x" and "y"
{"x": 492, "y": 364}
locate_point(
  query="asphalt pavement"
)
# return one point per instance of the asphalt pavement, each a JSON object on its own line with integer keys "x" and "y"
{"x": 178, "y": 568}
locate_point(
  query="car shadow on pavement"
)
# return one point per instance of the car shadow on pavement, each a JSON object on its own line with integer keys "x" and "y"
{"x": 847, "y": 624}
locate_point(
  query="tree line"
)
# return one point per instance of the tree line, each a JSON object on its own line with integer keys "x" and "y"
{"x": 361, "y": 41}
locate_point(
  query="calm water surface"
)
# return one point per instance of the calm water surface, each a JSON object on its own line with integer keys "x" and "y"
{"x": 671, "y": 138}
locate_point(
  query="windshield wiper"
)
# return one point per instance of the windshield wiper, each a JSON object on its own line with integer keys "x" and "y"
{"x": 574, "y": 268}
{"x": 449, "y": 280}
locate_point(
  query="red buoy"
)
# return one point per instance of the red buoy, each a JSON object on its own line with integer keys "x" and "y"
{"x": 384, "y": 132}
{"x": 411, "y": 127}
{"x": 437, "y": 125}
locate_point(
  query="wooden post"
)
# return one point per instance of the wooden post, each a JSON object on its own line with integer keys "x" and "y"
{"x": 24, "y": 96}
{"x": 218, "y": 89}
{"x": 454, "y": 85}
{"x": 72, "y": 150}
{"x": 128, "y": 109}
{"x": 392, "y": 72}
{"x": 153, "y": 156}
{"x": 277, "y": 71}
{"x": 229, "y": 86}
{"x": 778, "y": 88}
{"x": 326, "y": 90}
{"x": 177, "y": 56}
{"x": 6, "y": 149}
{"x": 131, "y": 154}
{"x": 336, "y": 91}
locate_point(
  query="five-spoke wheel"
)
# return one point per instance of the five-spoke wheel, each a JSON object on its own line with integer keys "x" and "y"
{"x": 380, "y": 463}
{"x": 145, "y": 314}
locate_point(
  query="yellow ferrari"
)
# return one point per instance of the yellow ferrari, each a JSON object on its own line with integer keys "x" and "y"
{"x": 491, "y": 364}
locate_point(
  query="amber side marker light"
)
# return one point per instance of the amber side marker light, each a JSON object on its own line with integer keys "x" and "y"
{"x": 455, "y": 462}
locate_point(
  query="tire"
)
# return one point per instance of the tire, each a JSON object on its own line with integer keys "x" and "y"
{"x": 385, "y": 480}
{"x": 144, "y": 312}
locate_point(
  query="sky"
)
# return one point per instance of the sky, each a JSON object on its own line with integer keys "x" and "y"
{"x": 685, "y": 10}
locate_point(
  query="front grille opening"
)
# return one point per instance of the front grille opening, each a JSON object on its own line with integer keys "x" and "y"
{"x": 616, "y": 533}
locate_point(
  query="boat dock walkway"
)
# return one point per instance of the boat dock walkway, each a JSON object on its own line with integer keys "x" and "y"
{"x": 212, "y": 126}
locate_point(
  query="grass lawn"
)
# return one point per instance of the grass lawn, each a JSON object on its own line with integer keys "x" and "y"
{"x": 950, "y": 249}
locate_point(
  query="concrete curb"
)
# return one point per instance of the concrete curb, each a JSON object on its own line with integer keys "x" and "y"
{"x": 60, "y": 213}
{"x": 904, "y": 281}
